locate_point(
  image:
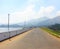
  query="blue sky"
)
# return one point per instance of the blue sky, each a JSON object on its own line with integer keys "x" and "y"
{"x": 11, "y": 5}
{"x": 24, "y": 10}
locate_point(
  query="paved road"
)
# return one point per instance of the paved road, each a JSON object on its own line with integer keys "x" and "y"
{"x": 33, "y": 39}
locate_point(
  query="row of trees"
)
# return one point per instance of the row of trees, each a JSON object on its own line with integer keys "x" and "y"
{"x": 55, "y": 27}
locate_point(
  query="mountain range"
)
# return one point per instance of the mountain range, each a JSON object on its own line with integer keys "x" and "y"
{"x": 44, "y": 21}
{"x": 52, "y": 21}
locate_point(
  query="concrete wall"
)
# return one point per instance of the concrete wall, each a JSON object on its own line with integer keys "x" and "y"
{"x": 6, "y": 35}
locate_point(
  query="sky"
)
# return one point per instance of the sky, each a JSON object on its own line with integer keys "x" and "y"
{"x": 25, "y": 10}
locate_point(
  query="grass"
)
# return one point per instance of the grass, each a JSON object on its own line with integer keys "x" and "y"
{"x": 55, "y": 33}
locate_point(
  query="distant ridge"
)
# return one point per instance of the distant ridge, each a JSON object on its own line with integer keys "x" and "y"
{"x": 44, "y": 21}
{"x": 53, "y": 21}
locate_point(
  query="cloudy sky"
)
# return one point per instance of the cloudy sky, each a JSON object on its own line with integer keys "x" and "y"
{"x": 24, "y": 10}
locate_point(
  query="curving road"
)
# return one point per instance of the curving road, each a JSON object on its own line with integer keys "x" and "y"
{"x": 33, "y": 39}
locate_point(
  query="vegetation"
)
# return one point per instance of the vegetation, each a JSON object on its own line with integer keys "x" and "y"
{"x": 53, "y": 29}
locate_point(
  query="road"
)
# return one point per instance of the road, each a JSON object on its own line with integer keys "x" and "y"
{"x": 33, "y": 39}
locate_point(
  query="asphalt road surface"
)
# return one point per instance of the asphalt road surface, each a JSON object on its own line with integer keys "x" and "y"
{"x": 33, "y": 39}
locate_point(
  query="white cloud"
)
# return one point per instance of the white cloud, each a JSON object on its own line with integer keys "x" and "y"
{"x": 49, "y": 9}
{"x": 25, "y": 15}
{"x": 58, "y": 13}
{"x": 3, "y": 19}
{"x": 46, "y": 11}
{"x": 29, "y": 13}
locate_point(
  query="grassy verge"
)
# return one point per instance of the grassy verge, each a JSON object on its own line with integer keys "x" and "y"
{"x": 55, "y": 33}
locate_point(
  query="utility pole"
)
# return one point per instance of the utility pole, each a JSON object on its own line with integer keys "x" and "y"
{"x": 8, "y": 22}
{"x": 8, "y": 25}
{"x": 24, "y": 22}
